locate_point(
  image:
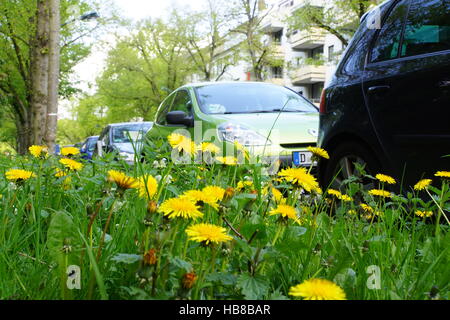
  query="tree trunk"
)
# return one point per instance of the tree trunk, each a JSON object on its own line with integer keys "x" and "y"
{"x": 24, "y": 133}
{"x": 39, "y": 74}
{"x": 53, "y": 74}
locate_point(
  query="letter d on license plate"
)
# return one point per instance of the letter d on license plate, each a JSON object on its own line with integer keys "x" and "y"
{"x": 302, "y": 158}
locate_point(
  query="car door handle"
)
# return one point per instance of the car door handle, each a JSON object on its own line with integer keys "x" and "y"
{"x": 444, "y": 84}
{"x": 378, "y": 90}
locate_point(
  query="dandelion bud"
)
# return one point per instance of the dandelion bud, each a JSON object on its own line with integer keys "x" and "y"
{"x": 229, "y": 193}
{"x": 152, "y": 207}
{"x": 188, "y": 280}
{"x": 150, "y": 257}
{"x": 28, "y": 207}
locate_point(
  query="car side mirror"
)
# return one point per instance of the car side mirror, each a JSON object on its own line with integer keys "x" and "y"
{"x": 179, "y": 118}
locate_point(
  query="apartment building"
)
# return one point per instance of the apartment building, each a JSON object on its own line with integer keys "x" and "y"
{"x": 309, "y": 56}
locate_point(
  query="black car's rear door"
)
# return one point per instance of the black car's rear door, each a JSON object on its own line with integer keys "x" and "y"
{"x": 407, "y": 87}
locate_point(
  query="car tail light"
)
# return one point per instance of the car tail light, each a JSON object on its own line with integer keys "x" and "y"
{"x": 323, "y": 108}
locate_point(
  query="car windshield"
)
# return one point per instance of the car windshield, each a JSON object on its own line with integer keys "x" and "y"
{"x": 129, "y": 133}
{"x": 250, "y": 98}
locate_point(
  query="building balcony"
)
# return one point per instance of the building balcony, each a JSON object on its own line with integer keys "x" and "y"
{"x": 307, "y": 39}
{"x": 278, "y": 51}
{"x": 308, "y": 74}
{"x": 272, "y": 24}
{"x": 301, "y": 3}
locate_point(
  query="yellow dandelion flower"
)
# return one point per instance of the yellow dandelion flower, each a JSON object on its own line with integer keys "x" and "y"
{"x": 148, "y": 186}
{"x": 210, "y": 195}
{"x": 182, "y": 143}
{"x": 209, "y": 147}
{"x": 122, "y": 180}
{"x": 345, "y": 198}
{"x": 386, "y": 179}
{"x": 214, "y": 192}
{"x": 352, "y": 212}
{"x": 318, "y": 152}
{"x": 60, "y": 173}
{"x": 229, "y": 161}
{"x": 286, "y": 211}
{"x": 443, "y": 174}
{"x": 380, "y": 193}
{"x": 39, "y": 151}
{"x": 70, "y": 151}
{"x": 318, "y": 289}
{"x": 182, "y": 207}
{"x": 424, "y": 214}
{"x": 301, "y": 178}
{"x": 366, "y": 208}
{"x": 422, "y": 184}
{"x": 207, "y": 233}
{"x": 335, "y": 193}
{"x": 277, "y": 195}
{"x": 243, "y": 184}
{"x": 19, "y": 175}
{"x": 71, "y": 164}
{"x": 368, "y": 216}
{"x": 66, "y": 183}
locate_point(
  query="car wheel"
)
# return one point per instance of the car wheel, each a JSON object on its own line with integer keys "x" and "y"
{"x": 341, "y": 166}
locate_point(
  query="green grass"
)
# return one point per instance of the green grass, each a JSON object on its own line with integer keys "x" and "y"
{"x": 46, "y": 225}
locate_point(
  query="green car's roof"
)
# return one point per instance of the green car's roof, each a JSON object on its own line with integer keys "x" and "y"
{"x": 203, "y": 84}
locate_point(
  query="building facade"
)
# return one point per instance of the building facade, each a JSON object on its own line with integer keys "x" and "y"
{"x": 309, "y": 56}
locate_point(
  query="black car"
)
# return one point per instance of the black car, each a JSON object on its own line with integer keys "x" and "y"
{"x": 388, "y": 104}
{"x": 123, "y": 139}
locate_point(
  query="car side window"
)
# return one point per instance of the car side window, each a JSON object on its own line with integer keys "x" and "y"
{"x": 164, "y": 109}
{"x": 427, "y": 28}
{"x": 387, "y": 44}
{"x": 182, "y": 102}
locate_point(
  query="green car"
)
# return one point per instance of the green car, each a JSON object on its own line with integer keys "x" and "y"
{"x": 272, "y": 122}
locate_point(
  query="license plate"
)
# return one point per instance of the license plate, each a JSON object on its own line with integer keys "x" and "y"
{"x": 302, "y": 158}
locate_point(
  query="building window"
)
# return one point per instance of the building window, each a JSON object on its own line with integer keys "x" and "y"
{"x": 276, "y": 37}
{"x": 316, "y": 53}
{"x": 316, "y": 91}
{"x": 330, "y": 53}
{"x": 277, "y": 72}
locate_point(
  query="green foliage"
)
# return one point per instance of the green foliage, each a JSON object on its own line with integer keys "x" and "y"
{"x": 17, "y": 42}
{"x": 89, "y": 222}
{"x": 63, "y": 240}
{"x": 339, "y": 17}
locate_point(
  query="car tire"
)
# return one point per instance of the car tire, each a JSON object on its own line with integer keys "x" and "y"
{"x": 341, "y": 165}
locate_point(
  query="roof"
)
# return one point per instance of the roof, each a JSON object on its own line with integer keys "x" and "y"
{"x": 120, "y": 124}
{"x": 203, "y": 84}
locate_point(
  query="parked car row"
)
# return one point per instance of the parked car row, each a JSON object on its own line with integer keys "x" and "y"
{"x": 121, "y": 139}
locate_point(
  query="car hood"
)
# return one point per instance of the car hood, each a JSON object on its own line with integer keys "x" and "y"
{"x": 286, "y": 127}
